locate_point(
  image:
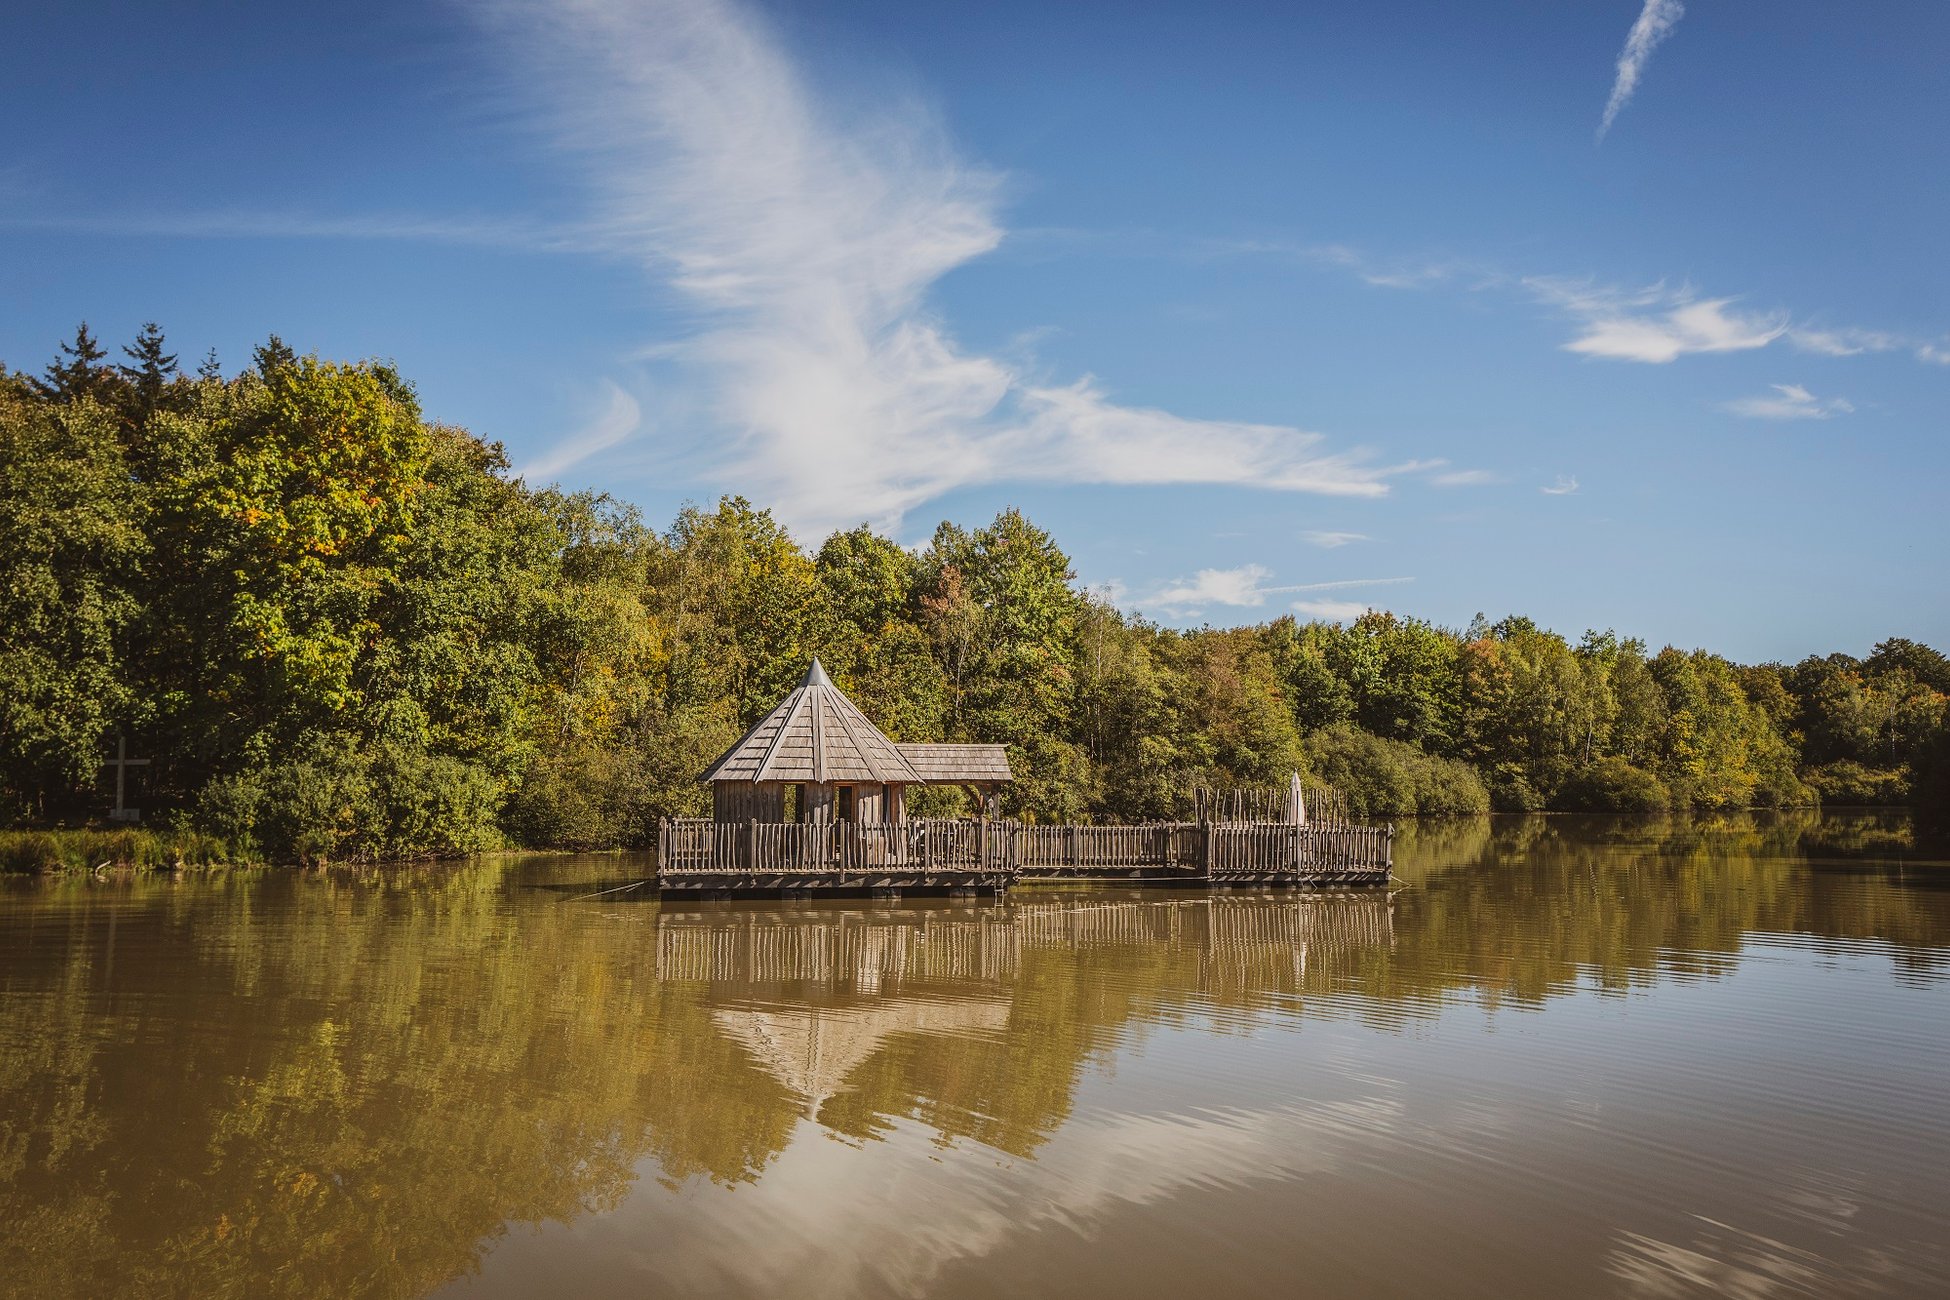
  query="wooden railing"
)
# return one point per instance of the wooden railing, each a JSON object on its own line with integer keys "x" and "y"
{"x": 1258, "y": 847}
{"x": 696, "y": 845}
{"x": 1194, "y": 850}
{"x": 1161, "y": 844}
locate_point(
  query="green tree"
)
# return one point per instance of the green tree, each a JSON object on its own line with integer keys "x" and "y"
{"x": 1002, "y": 602}
{"x": 152, "y": 372}
{"x": 71, "y": 546}
{"x": 78, "y": 371}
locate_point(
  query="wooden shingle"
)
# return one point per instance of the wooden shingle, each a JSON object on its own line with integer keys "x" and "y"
{"x": 816, "y": 735}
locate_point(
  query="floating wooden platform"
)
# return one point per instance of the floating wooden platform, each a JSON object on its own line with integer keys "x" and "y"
{"x": 930, "y": 856}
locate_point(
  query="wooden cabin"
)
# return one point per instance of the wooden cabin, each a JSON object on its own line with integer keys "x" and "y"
{"x": 817, "y": 758}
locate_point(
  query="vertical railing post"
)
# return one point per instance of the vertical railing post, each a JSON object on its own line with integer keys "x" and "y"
{"x": 982, "y": 843}
{"x": 1205, "y": 849}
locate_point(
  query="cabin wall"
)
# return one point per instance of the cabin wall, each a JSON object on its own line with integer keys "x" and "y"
{"x": 744, "y": 801}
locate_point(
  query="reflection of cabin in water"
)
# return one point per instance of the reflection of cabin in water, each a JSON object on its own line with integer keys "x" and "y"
{"x": 816, "y": 758}
{"x": 811, "y": 1049}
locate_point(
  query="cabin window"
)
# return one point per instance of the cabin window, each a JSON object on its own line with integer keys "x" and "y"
{"x": 844, "y": 803}
{"x": 792, "y": 804}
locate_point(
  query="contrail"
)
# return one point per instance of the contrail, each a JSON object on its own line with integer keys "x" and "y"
{"x": 1655, "y": 23}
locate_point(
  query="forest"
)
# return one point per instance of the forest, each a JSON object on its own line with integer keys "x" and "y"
{"x": 339, "y": 630}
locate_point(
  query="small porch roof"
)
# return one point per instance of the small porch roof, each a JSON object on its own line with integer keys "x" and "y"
{"x": 959, "y": 764}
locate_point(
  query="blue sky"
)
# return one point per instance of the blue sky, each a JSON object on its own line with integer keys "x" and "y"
{"x": 1258, "y": 307}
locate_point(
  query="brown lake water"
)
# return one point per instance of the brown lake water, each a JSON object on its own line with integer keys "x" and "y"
{"x": 1567, "y": 1057}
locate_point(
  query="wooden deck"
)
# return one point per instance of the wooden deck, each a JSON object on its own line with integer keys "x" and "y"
{"x": 699, "y": 855}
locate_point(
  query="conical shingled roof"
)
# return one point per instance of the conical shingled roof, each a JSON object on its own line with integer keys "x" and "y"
{"x": 817, "y": 735}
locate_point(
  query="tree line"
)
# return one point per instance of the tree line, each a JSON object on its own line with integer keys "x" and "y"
{"x": 341, "y": 630}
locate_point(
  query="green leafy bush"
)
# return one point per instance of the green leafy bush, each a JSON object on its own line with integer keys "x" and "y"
{"x": 1614, "y": 785}
{"x": 1848, "y": 782}
{"x": 1387, "y": 778}
{"x": 341, "y": 802}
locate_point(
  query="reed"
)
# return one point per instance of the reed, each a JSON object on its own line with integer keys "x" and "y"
{"x": 140, "y": 849}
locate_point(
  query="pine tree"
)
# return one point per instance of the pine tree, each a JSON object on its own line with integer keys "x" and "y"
{"x": 78, "y": 372}
{"x": 153, "y": 370}
{"x": 273, "y": 355}
{"x": 211, "y": 368}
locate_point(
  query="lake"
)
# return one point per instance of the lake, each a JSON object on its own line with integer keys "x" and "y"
{"x": 1564, "y": 1057}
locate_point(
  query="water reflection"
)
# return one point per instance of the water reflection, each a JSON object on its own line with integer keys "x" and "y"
{"x": 268, "y": 1084}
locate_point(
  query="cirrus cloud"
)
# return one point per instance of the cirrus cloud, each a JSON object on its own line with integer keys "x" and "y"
{"x": 1654, "y": 324}
{"x": 1245, "y": 587}
{"x": 806, "y": 240}
{"x": 1788, "y": 402}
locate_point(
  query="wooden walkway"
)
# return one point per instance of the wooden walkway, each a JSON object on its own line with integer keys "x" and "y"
{"x": 927, "y": 855}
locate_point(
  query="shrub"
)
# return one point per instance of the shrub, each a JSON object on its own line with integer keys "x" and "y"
{"x": 1849, "y": 782}
{"x": 587, "y": 798}
{"x": 1614, "y": 785}
{"x": 343, "y": 802}
{"x": 1510, "y": 789}
{"x": 1385, "y": 778}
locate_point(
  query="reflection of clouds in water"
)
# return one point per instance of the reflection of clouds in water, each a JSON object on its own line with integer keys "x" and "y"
{"x": 1740, "y": 1265}
{"x": 825, "y": 1220}
{"x": 1722, "y": 1260}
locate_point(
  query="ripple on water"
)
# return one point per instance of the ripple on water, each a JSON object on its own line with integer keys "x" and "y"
{"x": 1656, "y": 1059}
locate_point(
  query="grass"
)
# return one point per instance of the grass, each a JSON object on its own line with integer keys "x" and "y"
{"x": 83, "y": 850}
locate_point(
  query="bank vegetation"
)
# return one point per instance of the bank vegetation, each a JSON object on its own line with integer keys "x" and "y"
{"x": 340, "y": 630}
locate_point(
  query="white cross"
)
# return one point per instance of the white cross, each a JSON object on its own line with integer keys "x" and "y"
{"x": 122, "y": 763}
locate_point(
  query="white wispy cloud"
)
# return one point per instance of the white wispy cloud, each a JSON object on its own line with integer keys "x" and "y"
{"x": 1845, "y": 342}
{"x": 1654, "y": 324}
{"x": 1789, "y": 402}
{"x": 806, "y": 239}
{"x": 1341, "y": 584}
{"x": 1246, "y": 587}
{"x": 619, "y": 418}
{"x": 1464, "y": 478}
{"x": 1240, "y": 588}
{"x": 1565, "y": 485}
{"x": 507, "y": 233}
{"x": 1332, "y": 611}
{"x": 1655, "y": 23}
{"x": 1397, "y": 274}
{"x": 1328, "y": 540}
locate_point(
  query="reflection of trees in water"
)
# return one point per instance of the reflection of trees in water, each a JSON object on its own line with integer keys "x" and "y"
{"x": 305, "y": 1086}
{"x": 1523, "y": 907}
{"x": 277, "y": 1084}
